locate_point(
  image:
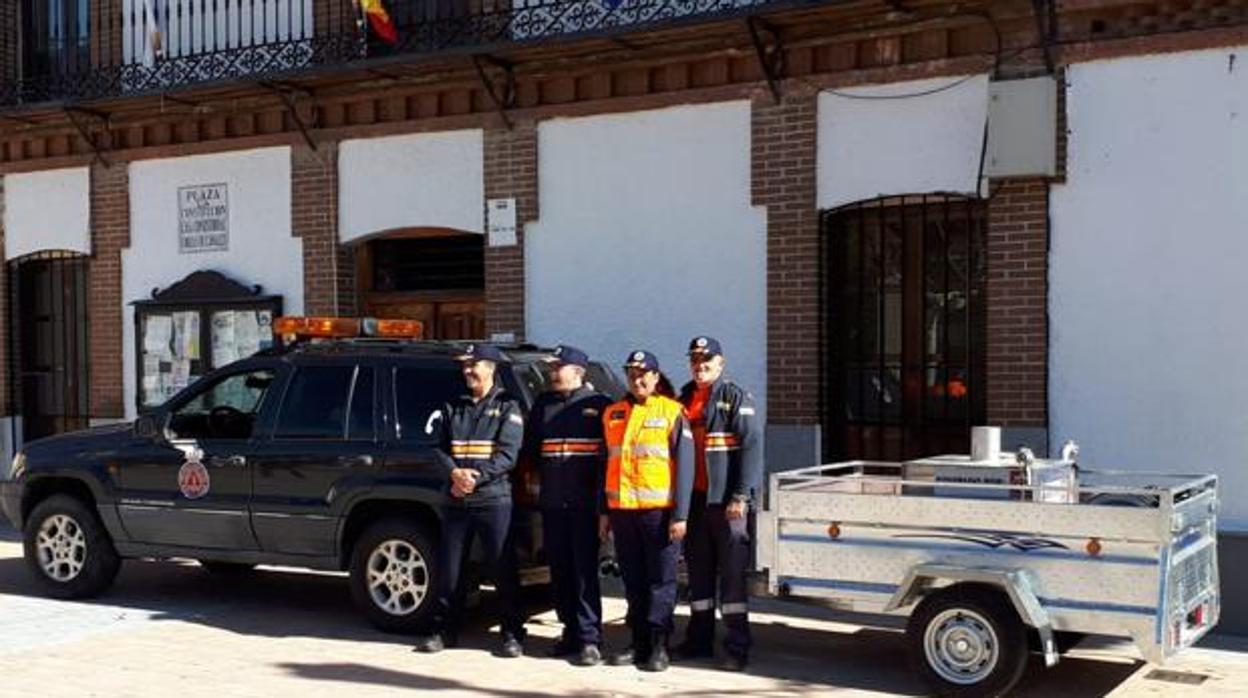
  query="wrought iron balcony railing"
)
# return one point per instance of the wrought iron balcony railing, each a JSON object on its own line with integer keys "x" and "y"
{"x": 134, "y": 47}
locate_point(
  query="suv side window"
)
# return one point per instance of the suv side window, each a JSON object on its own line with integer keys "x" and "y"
{"x": 420, "y": 392}
{"x": 223, "y": 409}
{"x": 321, "y": 403}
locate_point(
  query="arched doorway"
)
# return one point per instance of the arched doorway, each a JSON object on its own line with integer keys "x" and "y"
{"x": 434, "y": 275}
{"x": 903, "y": 326}
{"x": 49, "y": 359}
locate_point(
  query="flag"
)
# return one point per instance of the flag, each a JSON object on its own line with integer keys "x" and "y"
{"x": 152, "y": 48}
{"x": 379, "y": 20}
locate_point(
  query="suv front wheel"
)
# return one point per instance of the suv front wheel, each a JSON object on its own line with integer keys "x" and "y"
{"x": 393, "y": 575}
{"x": 68, "y": 550}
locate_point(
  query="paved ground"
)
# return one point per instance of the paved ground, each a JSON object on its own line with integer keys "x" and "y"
{"x": 172, "y": 629}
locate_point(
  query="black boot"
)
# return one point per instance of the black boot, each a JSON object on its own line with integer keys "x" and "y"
{"x": 658, "y": 660}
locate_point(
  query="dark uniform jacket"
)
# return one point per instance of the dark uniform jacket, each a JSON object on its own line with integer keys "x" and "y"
{"x": 564, "y": 441}
{"x": 485, "y": 436}
{"x": 734, "y": 459}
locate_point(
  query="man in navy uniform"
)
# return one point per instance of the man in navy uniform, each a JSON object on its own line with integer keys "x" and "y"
{"x": 727, "y": 480}
{"x": 564, "y": 439}
{"x": 480, "y": 439}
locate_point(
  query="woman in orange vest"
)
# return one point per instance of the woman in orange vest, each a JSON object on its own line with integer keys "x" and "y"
{"x": 647, "y": 489}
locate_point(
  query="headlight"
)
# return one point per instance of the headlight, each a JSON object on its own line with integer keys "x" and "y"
{"x": 18, "y": 466}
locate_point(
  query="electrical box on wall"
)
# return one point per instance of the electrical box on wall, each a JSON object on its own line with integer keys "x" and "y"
{"x": 1022, "y": 128}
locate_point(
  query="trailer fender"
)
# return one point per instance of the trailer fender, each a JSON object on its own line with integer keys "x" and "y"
{"x": 1018, "y": 585}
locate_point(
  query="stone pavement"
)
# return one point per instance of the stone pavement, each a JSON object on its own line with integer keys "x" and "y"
{"x": 172, "y": 629}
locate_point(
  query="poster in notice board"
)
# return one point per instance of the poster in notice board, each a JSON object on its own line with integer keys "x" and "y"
{"x": 199, "y": 324}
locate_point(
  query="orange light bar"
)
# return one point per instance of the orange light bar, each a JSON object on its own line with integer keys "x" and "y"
{"x": 316, "y": 327}
{"x": 410, "y": 329}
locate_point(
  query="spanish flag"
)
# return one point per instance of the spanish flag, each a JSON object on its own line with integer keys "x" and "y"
{"x": 379, "y": 20}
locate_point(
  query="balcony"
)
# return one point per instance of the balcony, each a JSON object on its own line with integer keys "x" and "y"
{"x": 82, "y": 50}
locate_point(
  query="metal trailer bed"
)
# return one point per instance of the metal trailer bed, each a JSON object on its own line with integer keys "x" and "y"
{"x": 975, "y": 566}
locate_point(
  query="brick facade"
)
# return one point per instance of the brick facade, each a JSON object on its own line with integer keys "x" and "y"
{"x": 110, "y": 234}
{"x": 510, "y": 172}
{"x": 783, "y": 172}
{"x": 1017, "y": 288}
{"x": 328, "y": 267}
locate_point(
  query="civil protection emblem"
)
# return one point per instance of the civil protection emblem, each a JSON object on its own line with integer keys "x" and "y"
{"x": 193, "y": 480}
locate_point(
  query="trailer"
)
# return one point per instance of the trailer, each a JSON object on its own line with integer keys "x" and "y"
{"x": 989, "y": 560}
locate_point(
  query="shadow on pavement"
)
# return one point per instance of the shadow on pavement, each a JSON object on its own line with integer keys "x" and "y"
{"x": 319, "y": 605}
{"x": 364, "y": 674}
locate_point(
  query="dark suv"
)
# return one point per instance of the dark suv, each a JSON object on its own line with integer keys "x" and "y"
{"x": 318, "y": 456}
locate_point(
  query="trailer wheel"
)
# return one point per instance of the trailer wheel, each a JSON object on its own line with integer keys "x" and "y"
{"x": 968, "y": 641}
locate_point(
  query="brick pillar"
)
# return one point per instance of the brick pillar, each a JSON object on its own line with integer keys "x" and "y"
{"x": 1018, "y": 327}
{"x": 510, "y": 172}
{"x": 105, "y": 18}
{"x": 110, "y": 234}
{"x": 783, "y": 172}
{"x": 328, "y": 268}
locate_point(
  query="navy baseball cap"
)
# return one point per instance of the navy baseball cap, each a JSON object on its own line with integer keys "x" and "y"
{"x": 705, "y": 347}
{"x": 481, "y": 352}
{"x": 565, "y": 354}
{"x": 642, "y": 359}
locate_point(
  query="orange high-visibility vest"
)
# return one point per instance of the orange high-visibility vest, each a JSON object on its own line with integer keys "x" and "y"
{"x": 640, "y": 473}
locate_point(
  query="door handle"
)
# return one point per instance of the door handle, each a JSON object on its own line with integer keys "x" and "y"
{"x": 364, "y": 460}
{"x": 231, "y": 462}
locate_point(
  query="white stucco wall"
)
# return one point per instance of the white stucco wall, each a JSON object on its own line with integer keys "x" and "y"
{"x": 261, "y": 249}
{"x": 426, "y": 179}
{"x": 875, "y": 146}
{"x": 1147, "y": 269}
{"x": 48, "y": 210}
{"x": 647, "y": 237}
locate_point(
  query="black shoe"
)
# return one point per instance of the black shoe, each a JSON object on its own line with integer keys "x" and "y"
{"x": 564, "y": 647}
{"x": 692, "y": 650}
{"x": 658, "y": 660}
{"x": 511, "y": 647}
{"x": 430, "y": 644}
{"x": 624, "y": 657}
{"x": 589, "y": 655}
{"x": 733, "y": 662}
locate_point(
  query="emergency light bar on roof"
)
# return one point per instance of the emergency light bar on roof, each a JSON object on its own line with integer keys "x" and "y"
{"x": 293, "y": 328}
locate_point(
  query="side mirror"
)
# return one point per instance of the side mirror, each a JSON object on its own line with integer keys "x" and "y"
{"x": 151, "y": 426}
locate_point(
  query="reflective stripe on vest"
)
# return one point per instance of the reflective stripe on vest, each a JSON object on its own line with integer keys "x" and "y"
{"x": 561, "y": 448}
{"x": 722, "y": 441}
{"x": 473, "y": 450}
{"x": 639, "y": 464}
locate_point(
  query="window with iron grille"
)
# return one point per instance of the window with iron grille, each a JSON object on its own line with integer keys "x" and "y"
{"x": 48, "y": 349}
{"x": 903, "y": 326}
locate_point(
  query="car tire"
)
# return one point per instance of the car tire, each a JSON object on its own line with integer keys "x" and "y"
{"x": 226, "y": 568}
{"x": 968, "y": 641}
{"x": 394, "y": 575}
{"x": 68, "y": 550}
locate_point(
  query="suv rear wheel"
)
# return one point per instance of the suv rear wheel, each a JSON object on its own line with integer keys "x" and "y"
{"x": 67, "y": 549}
{"x": 394, "y": 576}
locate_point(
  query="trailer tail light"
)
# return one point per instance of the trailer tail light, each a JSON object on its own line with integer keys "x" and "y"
{"x": 1196, "y": 617}
{"x": 834, "y": 530}
{"x": 1093, "y": 547}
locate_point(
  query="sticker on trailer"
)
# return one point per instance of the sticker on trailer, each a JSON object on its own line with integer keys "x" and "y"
{"x": 193, "y": 480}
